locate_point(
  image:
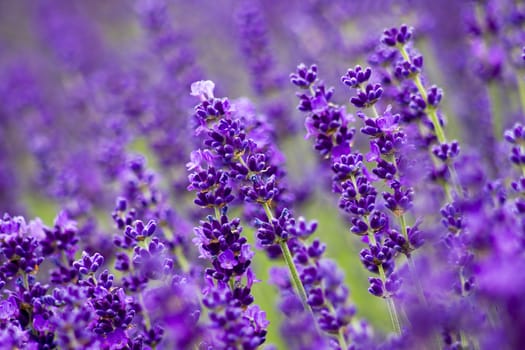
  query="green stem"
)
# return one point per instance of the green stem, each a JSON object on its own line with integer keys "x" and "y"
{"x": 463, "y": 340}
{"x": 296, "y": 280}
{"x": 26, "y": 281}
{"x": 374, "y": 110}
{"x": 342, "y": 341}
{"x": 183, "y": 262}
{"x": 432, "y": 113}
{"x": 391, "y": 305}
{"x": 268, "y": 211}
{"x": 389, "y": 301}
{"x": 403, "y": 224}
{"x": 430, "y": 110}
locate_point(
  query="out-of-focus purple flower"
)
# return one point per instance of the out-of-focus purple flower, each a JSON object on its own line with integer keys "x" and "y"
{"x": 516, "y": 137}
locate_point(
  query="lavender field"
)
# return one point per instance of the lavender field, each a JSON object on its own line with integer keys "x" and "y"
{"x": 261, "y": 174}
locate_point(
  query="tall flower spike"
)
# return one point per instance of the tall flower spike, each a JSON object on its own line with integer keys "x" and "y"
{"x": 358, "y": 196}
{"x": 424, "y": 103}
{"x": 259, "y": 181}
{"x": 425, "y": 100}
{"x": 220, "y": 240}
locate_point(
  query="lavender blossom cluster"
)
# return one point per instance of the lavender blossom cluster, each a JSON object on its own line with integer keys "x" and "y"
{"x": 142, "y": 209}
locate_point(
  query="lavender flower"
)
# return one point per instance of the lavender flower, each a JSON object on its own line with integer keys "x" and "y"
{"x": 228, "y": 292}
{"x": 425, "y": 161}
